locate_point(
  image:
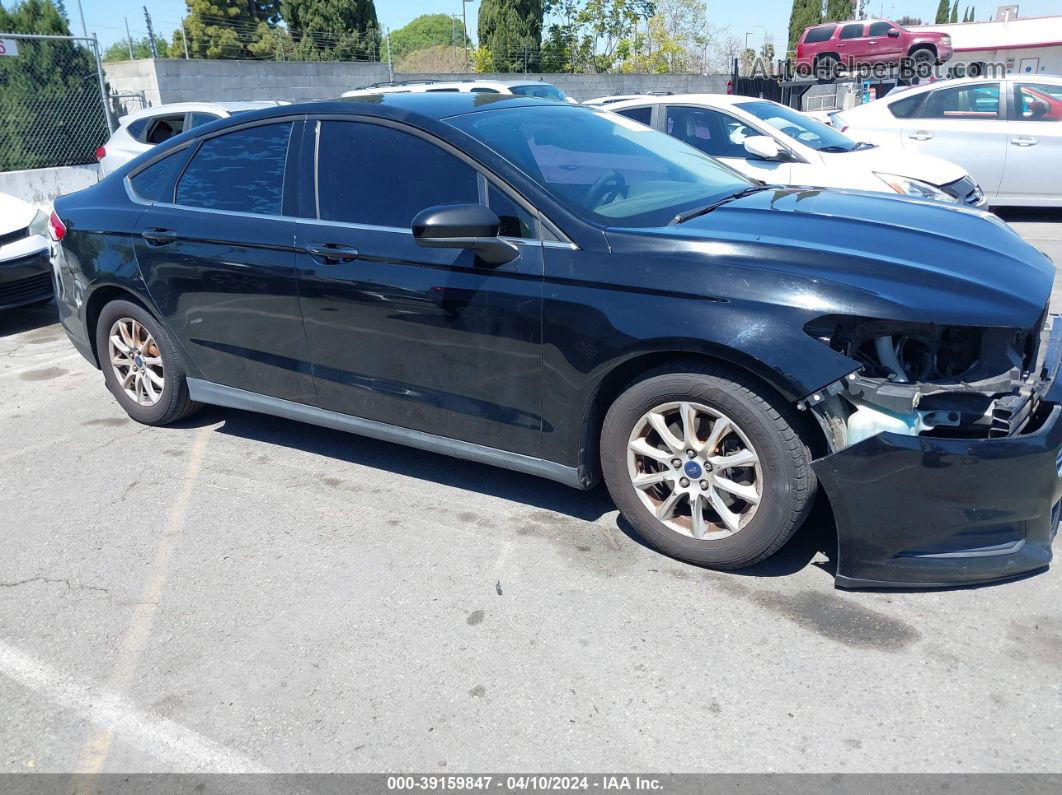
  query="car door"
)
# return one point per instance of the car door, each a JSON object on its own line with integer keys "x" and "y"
{"x": 423, "y": 338}
{"x": 722, "y": 136}
{"x": 852, "y": 44}
{"x": 218, "y": 259}
{"x": 1034, "y": 144}
{"x": 881, "y": 47}
{"x": 965, "y": 124}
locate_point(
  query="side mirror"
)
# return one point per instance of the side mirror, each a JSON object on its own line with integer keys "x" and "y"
{"x": 764, "y": 147}
{"x": 467, "y": 226}
{"x": 893, "y": 33}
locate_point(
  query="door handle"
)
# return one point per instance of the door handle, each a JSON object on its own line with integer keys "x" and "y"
{"x": 332, "y": 253}
{"x": 1024, "y": 140}
{"x": 921, "y": 135}
{"x": 158, "y": 237}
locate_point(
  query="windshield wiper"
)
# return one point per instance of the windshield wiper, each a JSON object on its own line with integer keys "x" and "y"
{"x": 681, "y": 218}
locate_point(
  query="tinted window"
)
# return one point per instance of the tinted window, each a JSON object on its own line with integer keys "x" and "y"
{"x": 905, "y": 108}
{"x": 852, "y": 31}
{"x": 799, "y": 127}
{"x": 163, "y": 129}
{"x": 714, "y": 133}
{"x": 384, "y": 177}
{"x": 879, "y": 29}
{"x": 963, "y": 102}
{"x": 821, "y": 33}
{"x": 642, "y": 115}
{"x": 1039, "y": 102}
{"x": 202, "y": 118}
{"x": 155, "y": 183}
{"x": 137, "y": 128}
{"x": 602, "y": 165}
{"x": 515, "y": 220}
{"x": 242, "y": 171}
{"x": 443, "y": 90}
{"x": 540, "y": 90}
{"x": 482, "y": 90}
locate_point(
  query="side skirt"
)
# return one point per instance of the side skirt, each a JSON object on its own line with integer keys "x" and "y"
{"x": 219, "y": 395}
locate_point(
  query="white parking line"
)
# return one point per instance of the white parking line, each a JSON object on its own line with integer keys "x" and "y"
{"x": 177, "y": 746}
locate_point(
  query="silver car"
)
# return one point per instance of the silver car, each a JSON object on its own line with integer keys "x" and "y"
{"x": 1006, "y": 132}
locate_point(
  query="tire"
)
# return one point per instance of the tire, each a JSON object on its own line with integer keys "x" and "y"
{"x": 171, "y": 401}
{"x": 765, "y": 426}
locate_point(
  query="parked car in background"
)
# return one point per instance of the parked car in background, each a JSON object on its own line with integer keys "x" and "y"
{"x": 567, "y": 293}
{"x": 143, "y": 129}
{"x": 774, "y": 143}
{"x": 522, "y": 88}
{"x": 1007, "y": 133}
{"x": 600, "y": 102}
{"x": 25, "y": 264}
{"x": 824, "y": 48}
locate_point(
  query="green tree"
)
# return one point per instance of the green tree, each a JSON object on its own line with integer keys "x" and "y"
{"x": 119, "y": 51}
{"x": 512, "y": 31}
{"x": 229, "y": 28}
{"x": 943, "y": 9}
{"x": 804, "y": 14}
{"x": 838, "y": 11}
{"x": 954, "y": 12}
{"x": 906, "y": 21}
{"x": 427, "y": 30}
{"x": 333, "y": 30}
{"x": 49, "y": 94}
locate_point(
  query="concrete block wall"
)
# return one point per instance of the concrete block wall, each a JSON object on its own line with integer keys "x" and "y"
{"x": 41, "y": 186}
{"x": 179, "y": 80}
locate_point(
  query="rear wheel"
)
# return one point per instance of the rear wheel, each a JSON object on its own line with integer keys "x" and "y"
{"x": 141, "y": 365}
{"x": 706, "y": 466}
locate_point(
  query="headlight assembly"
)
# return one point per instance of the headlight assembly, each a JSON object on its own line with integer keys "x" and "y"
{"x": 914, "y": 187}
{"x": 39, "y": 224}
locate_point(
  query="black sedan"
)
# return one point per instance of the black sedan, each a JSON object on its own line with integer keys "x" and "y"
{"x": 562, "y": 291}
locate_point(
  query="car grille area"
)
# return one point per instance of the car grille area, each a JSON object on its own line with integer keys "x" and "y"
{"x": 11, "y": 237}
{"x": 965, "y": 190}
{"x": 24, "y": 291}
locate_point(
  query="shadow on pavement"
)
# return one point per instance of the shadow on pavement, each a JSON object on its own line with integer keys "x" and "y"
{"x": 1047, "y": 215}
{"x": 28, "y": 318}
{"x": 817, "y": 535}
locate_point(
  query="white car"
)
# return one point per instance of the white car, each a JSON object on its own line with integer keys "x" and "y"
{"x": 1006, "y": 132}
{"x": 523, "y": 88}
{"x": 600, "y": 102}
{"x": 140, "y": 131}
{"x": 25, "y": 254}
{"x": 779, "y": 145}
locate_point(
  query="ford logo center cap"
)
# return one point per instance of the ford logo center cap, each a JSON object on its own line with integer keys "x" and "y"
{"x": 693, "y": 469}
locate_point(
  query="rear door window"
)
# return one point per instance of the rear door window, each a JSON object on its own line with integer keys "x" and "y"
{"x": 819, "y": 34}
{"x": 198, "y": 119}
{"x": 163, "y": 128}
{"x": 241, "y": 171}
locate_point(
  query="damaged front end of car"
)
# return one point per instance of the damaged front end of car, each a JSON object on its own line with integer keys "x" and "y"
{"x": 944, "y": 464}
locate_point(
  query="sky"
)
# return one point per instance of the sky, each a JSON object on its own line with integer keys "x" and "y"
{"x": 106, "y": 17}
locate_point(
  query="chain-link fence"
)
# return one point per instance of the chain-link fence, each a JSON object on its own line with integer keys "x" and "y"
{"x": 52, "y": 111}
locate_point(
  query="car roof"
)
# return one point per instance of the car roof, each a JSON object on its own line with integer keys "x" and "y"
{"x": 186, "y": 107}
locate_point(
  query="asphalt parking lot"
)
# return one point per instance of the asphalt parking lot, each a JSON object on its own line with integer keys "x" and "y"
{"x": 241, "y": 593}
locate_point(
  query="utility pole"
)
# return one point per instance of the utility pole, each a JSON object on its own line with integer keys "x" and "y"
{"x": 390, "y": 62}
{"x": 184, "y": 38}
{"x": 464, "y": 31}
{"x": 129, "y": 38}
{"x": 81, "y": 13}
{"x": 151, "y": 35}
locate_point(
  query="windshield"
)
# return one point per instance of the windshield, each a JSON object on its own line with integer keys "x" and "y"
{"x": 799, "y": 127}
{"x": 540, "y": 90}
{"x": 603, "y": 166}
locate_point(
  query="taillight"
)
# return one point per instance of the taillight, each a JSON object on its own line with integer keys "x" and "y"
{"x": 56, "y": 228}
{"x": 730, "y": 86}
{"x": 100, "y": 153}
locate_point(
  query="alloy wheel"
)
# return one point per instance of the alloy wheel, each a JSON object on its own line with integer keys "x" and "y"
{"x": 695, "y": 470}
{"x": 136, "y": 361}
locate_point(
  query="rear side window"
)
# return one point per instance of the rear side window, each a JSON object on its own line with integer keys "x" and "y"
{"x": 155, "y": 183}
{"x": 905, "y": 108}
{"x": 852, "y": 31}
{"x": 821, "y": 33}
{"x": 163, "y": 128}
{"x": 241, "y": 171}
{"x": 137, "y": 128}
{"x": 380, "y": 176}
{"x": 642, "y": 115}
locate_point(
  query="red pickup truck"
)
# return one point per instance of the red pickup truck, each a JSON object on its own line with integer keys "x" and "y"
{"x": 823, "y": 48}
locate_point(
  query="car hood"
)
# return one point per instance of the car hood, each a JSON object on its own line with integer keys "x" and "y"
{"x": 891, "y": 160}
{"x": 15, "y": 214}
{"x": 868, "y": 254}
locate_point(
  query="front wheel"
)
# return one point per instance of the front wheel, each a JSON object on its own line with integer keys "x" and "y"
{"x": 707, "y": 466}
{"x": 141, "y": 365}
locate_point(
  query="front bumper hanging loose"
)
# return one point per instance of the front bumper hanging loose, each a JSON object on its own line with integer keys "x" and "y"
{"x": 917, "y": 511}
